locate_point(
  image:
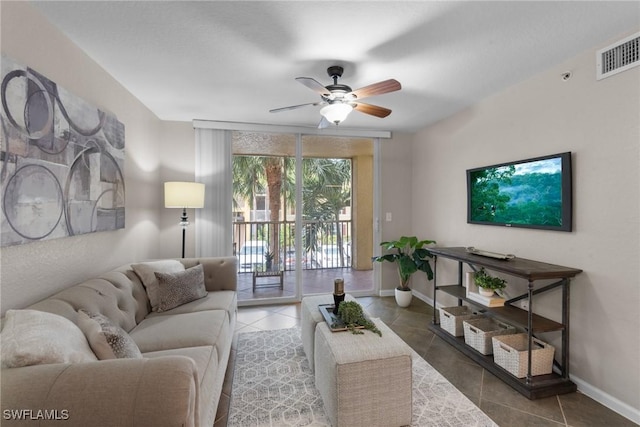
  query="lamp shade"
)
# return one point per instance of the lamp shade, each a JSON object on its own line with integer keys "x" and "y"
{"x": 183, "y": 195}
{"x": 336, "y": 113}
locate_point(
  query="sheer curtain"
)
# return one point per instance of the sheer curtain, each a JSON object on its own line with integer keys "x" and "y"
{"x": 214, "y": 233}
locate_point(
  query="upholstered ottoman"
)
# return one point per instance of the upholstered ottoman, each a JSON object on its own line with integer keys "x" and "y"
{"x": 311, "y": 316}
{"x": 364, "y": 380}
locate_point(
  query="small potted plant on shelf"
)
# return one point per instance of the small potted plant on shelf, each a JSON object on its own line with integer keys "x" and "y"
{"x": 411, "y": 256}
{"x": 487, "y": 284}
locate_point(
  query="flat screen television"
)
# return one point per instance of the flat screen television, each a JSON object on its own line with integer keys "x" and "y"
{"x": 531, "y": 193}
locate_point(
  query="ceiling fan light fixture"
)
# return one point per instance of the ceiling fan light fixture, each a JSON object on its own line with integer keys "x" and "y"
{"x": 336, "y": 113}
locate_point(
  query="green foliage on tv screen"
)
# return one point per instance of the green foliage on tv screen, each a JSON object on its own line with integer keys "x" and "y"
{"x": 500, "y": 195}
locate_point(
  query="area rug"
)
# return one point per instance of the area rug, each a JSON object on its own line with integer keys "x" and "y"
{"x": 274, "y": 386}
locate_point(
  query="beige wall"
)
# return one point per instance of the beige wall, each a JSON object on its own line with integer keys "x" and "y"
{"x": 33, "y": 271}
{"x": 177, "y": 163}
{"x": 396, "y": 198}
{"x": 362, "y": 211}
{"x": 599, "y": 122}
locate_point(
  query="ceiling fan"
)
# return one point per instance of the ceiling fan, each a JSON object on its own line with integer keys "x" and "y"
{"x": 339, "y": 100}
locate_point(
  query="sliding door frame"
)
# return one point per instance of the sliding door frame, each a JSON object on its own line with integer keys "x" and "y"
{"x": 299, "y": 132}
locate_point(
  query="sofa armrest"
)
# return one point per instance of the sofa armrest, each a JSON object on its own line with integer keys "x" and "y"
{"x": 122, "y": 392}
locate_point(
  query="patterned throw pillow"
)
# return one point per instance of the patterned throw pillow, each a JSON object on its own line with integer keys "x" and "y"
{"x": 32, "y": 337}
{"x": 107, "y": 340}
{"x": 180, "y": 288}
{"x": 146, "y": 272}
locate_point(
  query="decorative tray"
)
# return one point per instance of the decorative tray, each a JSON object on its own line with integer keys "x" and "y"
{"x": 334, "y": 322}
{"x": 496, "y": 255}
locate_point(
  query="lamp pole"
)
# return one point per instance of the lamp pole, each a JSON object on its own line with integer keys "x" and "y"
{"x": 184, "y": 222}
{"x": 183, "y": 195}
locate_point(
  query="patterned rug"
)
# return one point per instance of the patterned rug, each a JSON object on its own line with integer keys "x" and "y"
{"x": 273, "y": 386}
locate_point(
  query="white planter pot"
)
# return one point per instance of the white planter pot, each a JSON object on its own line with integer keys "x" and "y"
{"x": 485, "y": 292}
{"x": 403, "y": 298}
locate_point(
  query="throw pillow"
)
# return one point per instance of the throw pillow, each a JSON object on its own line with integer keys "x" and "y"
{"x": 180, "y": 288}
{"x": 146, "y": 273}
{"x": 32, "y": 337}
{"x": 108, "y": 340}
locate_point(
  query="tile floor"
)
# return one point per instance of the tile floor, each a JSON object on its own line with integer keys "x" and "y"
{"x": 504, "y": 405}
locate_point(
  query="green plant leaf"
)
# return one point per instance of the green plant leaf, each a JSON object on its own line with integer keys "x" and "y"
{"x": 410, "y": 255}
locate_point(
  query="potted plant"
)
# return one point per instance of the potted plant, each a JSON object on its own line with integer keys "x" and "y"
{"x": 488, "y": 284}
{"x": 411, "y": 256}
{"x": 268, "y": 260}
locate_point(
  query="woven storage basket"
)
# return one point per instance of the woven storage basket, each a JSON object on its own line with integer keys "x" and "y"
{"x": 510, "y": 352}
{"x": 478, "y": 333}
{"x": 451, "y": 319}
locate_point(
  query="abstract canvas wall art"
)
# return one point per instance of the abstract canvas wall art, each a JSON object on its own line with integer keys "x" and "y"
{"x": 61, "y": 161}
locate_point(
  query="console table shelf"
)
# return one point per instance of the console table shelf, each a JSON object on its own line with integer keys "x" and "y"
{"x": 531, "y": 386}
{"x": 509, "y": 314}
{"x": 540, "y": 385}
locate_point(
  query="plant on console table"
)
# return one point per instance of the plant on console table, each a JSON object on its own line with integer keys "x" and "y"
{"x": 487, "y": 284}
{"x": 411, "y": 256}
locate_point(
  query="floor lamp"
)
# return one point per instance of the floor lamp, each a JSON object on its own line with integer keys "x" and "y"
{"x": 183, "y": 195}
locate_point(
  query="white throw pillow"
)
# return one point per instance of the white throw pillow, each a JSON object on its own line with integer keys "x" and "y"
{"x": 108, "y": 340}
{"x": 146, "y": 272}
{"x": 32, "y": 337}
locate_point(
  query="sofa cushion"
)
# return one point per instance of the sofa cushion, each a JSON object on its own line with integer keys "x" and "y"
{"x": 32, "y": 337}
{"x": 176, "y": 289}
{"x": 107, "y": 340}
{"x": 146, "y": 271}
{"x": 181, "y": 330}
{"x": 219, "y": 300}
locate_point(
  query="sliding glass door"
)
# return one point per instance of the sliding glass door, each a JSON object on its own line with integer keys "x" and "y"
{"x": 337, "y": 191}
{"x": 302, "y": 214}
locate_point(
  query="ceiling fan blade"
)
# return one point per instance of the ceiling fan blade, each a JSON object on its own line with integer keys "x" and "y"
{"x": 373, "y": 110}
{"x": 323, "y": 123}
{"x": 314, "y": 85}
{"x": 379, "y": 88}
{"x": 293, "y": 107}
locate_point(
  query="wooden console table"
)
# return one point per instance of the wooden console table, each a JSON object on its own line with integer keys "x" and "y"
{"x": 261, "y": 274}
{"x": 532, "y": 387}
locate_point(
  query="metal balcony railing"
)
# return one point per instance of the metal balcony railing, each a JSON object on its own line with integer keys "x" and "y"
{"x": 326, "y": 244}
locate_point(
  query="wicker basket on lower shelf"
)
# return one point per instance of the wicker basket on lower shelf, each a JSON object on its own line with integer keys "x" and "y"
{"x": 478, "y": 333}
{"x": 451, "y": 319}
{"x": 510, "y": 352}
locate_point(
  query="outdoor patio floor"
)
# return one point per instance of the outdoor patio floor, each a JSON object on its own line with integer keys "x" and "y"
{"x": 313, "y": 281}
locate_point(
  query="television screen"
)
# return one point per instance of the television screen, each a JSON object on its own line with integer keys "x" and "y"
{"x": 532, "y": 193}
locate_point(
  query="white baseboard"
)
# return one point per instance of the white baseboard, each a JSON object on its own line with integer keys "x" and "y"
{"x": 607, "y": 400}
{"x": 423, "y": 297}
{"x": 585, "y": 388}
{"x": 419, "y": 295}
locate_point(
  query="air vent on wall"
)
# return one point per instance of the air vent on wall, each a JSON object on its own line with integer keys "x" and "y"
{"x": 618, "y": 57}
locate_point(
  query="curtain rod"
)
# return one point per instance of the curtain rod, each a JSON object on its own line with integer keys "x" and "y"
{"x": 256, "y": 127}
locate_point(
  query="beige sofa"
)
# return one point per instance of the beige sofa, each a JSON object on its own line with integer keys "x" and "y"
{"x": 179, "y": 380}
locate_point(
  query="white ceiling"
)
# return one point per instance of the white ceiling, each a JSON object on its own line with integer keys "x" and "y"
{"x": 236, "y": 60}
